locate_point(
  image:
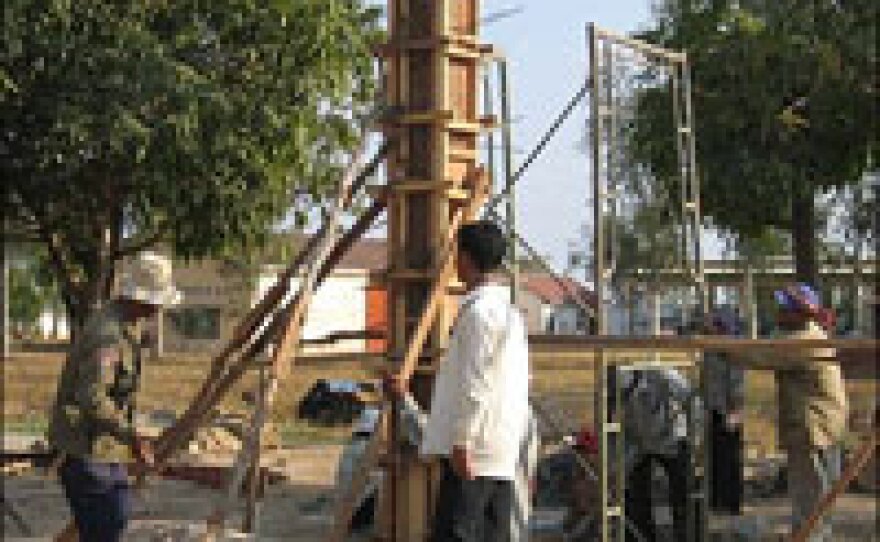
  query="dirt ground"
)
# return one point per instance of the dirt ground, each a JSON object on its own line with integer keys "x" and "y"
{"x": 172, "y": 510}
{"x": 299, "y": 508}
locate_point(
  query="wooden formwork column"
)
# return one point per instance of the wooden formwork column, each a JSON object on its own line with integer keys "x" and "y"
{"x": 432, "y": 64}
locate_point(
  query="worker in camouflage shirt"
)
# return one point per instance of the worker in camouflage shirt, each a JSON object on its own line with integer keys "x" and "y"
{"x": 92, "y": 419}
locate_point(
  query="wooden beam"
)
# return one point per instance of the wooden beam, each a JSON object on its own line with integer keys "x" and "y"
{"x": 722, "y": 344}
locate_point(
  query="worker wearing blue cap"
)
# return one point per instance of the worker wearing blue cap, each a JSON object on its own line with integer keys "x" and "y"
{"x": 812, "y": 403}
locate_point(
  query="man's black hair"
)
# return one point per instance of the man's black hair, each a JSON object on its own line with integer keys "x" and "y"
{"x": 484, "y": 244}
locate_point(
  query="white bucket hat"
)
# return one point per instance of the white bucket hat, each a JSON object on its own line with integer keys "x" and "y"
{"x": 148, "y": 279}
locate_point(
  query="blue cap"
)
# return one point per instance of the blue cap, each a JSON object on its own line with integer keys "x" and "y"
{"x": 727, "y": 321}
{"x": 798, "y": 296}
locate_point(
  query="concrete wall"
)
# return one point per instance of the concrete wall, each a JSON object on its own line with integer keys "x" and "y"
{"x": 340, "y": 304}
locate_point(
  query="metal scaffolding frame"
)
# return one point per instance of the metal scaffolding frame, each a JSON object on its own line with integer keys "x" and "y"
{"x": 611, "y": 101}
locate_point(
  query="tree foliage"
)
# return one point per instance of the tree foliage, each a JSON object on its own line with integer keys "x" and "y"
{"x": 187, "y": 123}
{"x": 785, "y": 96}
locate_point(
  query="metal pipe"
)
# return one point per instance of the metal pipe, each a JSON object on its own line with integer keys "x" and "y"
{"x": 510, "y": 212}
{"x": 598, "y": 189}
{"x": 695, "y": 195}
{"x": 598, "y": 268}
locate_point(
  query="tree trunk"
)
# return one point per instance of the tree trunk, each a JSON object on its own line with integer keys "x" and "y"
{"x": 803, "y": 233}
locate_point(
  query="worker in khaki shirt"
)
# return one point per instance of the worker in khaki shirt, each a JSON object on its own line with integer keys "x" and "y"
{"x": 93, "y": 413}
{"x": 812, "y": 404}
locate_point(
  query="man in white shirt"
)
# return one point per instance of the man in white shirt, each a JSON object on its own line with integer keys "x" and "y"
{"x": 479, "y": 411}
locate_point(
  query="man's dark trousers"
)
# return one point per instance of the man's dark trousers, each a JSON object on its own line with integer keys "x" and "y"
{"x": 478, "y": 510}
{"x": 639, "y": 505}
{"x": 99, "y": 497}
{"x": 726, "y": 463}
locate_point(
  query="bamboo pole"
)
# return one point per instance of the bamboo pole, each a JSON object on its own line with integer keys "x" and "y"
{"x": 293, "y": 325}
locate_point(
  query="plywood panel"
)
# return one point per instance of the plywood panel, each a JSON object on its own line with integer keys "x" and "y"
{"x": 425, "y": 81}
{"x": 418, "y": 164}
{"x": 418, "y": 241}
{"x": 463, "y": 17}
{"x": 421, "y": 91}
{"x": 421, "y": 17}
{"x": 462, "y": 88}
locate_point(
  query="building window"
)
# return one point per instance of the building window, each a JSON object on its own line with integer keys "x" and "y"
{"x": 196, "y": 322}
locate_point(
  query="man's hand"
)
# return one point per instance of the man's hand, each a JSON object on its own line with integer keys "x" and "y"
{"x": 142, "y": 447}
{"x": 734, "y": 419}
{"x": 461, "y": 463}
{"x": 394, "y": 386}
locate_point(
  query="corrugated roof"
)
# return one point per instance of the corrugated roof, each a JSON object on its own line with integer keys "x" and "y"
{"x": 557, "y": 292}
{"x": 366, "y": 254}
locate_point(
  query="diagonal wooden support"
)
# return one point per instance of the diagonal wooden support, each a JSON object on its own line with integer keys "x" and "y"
{"x": 198, "y": 413}
{"x": 861, "y": 458}
{"x": 292, "y": 324}
{"x": 246, "y": 329}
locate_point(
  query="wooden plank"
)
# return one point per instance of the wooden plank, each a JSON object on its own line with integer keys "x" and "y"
{"x": 452, "y": 46}
{"x": 725, "y": 344}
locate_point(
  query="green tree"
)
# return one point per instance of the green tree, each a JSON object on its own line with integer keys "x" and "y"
{"x": 31, "y": 285}
{"x": 188, "y": 124}
{"x": 785, "y": 96}
{"x": 26, "y": 299}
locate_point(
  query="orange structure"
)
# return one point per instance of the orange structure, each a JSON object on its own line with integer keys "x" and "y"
{"x": 432, "y": 63}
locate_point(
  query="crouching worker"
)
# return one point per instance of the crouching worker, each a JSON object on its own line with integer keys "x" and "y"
{"x": 93, "y": 413}
{"x": 812, "y": 404}
{"x": 655, "y": 405}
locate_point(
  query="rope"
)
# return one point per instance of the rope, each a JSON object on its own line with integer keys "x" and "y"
{"x": 542, "y": 144}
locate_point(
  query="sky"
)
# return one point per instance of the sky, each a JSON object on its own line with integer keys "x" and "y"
{"x": 545, "y": 45}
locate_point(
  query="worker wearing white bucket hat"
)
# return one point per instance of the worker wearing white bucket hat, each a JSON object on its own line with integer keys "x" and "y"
{"x": 94, "y": 408}
{"x": 149, "y": 281}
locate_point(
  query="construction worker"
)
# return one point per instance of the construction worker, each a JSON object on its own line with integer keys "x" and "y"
{"x": 413, "y": 420}
{"x": 93, "y": 413}
{"x": 724, "y": 398}
{"x": 655, "y": 405}
{"x": 812, "y": 403}
{"x": 480, "y": 405}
